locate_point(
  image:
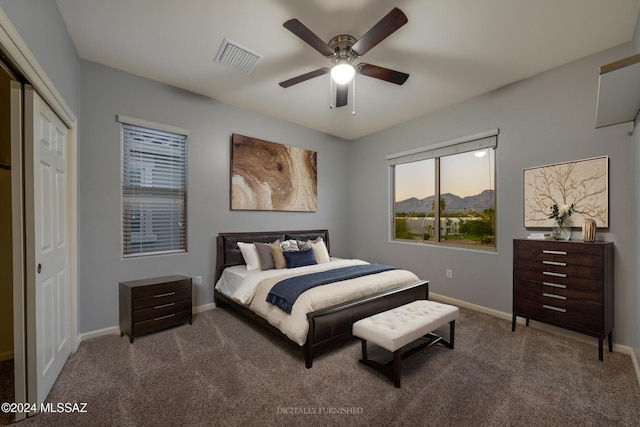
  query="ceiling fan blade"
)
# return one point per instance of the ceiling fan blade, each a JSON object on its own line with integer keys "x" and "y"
{"x": 307, "y": 36}
{"x": 342, "y": 95}
{"x": 304, "y": 77}
{"x": 383, "y": 29}
{"x": 382, "y": 73}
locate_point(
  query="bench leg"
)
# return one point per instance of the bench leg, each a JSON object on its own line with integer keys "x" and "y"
{"x": 452, "y": 333}
{"x": 397, "y": 359}
{"x": 364, "y": 349}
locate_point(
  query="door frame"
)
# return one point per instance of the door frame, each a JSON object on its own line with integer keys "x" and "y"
{"x": 21, "y": 57}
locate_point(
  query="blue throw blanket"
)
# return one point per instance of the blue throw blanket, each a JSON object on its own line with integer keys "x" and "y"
{"x": 286, "y": 292}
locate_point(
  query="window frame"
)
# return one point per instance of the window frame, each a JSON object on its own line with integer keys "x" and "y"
{"x": 180, "y": 195}
{"x": 477, "y": 142}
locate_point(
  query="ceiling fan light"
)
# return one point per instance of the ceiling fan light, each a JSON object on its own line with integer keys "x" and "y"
{"x": 342, "y": 73}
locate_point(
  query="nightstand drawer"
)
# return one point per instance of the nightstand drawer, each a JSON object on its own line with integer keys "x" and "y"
{"x": 161, "y": 310}
{"x": 161, "y": 322}
{"x": 161, "y": 288}
{"x": 161, "y": 299}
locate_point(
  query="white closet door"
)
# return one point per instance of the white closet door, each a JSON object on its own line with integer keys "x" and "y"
{"x": 46, "y": 197}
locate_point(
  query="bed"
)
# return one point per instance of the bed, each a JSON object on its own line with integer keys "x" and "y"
{"x": 327, "y": 323}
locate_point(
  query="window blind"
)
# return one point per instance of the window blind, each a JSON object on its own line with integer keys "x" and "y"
{"x": 154, "y": 190}
{"x": 462, "y": 145}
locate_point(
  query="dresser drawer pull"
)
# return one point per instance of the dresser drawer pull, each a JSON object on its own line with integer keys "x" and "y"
{"x": 554, "y": 296}
{"x": 551, "y": 273}
{"x": 554, "y": 285}
{"x": 550, "y": 307}
{"x": 561, "y": 264}
{"x": 554, "y": 252}
{"x": 165, "y": 305}
{"x": 164, "y": 295}
{"x": 165, "y": 317}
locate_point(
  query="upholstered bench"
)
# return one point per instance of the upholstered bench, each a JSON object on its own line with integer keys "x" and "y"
{"x": 395, "y": 328}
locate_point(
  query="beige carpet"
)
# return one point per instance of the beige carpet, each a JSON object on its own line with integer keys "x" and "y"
{"x": 224, "y": 371}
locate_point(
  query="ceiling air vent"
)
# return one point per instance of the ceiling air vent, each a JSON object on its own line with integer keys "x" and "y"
{"x": 236, "y": 57}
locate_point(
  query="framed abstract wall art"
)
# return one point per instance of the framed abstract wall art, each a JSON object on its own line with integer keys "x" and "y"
{"x": 267, "y": 176}
{"x": 583, "y": 183}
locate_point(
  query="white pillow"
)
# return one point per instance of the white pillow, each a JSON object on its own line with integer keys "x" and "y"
{"x": 250, "y": 255}
{"x": 319, "y": 250}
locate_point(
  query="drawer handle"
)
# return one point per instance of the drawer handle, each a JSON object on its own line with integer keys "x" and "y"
{"x": 164, "y": 295}
{"x": 554, "y": 285}
{"x": 554, "y": 296}
{"x": 561, "y": 264}
{"x": 165, "y": 317}
{"x": 550, "y": 307}
{"x": 551, "y": 273}
{"x": 165, "y": 305}
{"x": 554, "y": 252}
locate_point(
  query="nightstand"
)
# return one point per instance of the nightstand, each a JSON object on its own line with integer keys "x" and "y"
{"x": 150, "y": 305}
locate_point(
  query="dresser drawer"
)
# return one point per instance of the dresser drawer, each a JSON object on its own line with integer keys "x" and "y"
{"x": 577, "y": 299}
{"x": 572, "y": 282}
{"x": 161, "y": 310}
{"x": 160, "y": 288}
{"x": 531, "y": 248}
{"x": 588, "y": 320}
{"x": 570, "y": 271}
{"x": 161, "y": 322}
{"x": 161, "y": 299}
{"x": 569, "y": 314}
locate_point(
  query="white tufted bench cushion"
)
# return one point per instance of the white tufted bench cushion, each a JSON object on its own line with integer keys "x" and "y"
{"x": 400, "y": 326}
{"x": 395, "y": 328}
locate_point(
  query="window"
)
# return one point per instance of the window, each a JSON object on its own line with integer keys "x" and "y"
{"x": 445, "y": 193}
{"x": 154, "y": 188}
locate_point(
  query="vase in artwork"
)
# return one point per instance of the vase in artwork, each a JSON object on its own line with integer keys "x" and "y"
{"x": 560, "y": 231}
{"x": 589, "y": 230}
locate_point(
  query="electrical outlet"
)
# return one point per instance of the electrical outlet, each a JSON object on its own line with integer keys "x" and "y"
{"x": 449, "y": 274}
{"x": 198, "y": 280}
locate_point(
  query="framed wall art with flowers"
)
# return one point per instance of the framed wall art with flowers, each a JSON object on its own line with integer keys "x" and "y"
{"x": 572, "y": 191}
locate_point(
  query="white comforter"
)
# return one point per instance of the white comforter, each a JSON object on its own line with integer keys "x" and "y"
{"x": 251, "y": 290}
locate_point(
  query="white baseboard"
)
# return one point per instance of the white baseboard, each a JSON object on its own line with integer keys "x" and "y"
{"x": 205, "y": 307}
{"x": 116, "y": 329}
{"x": 99, "y": 333}
{"x": 538, "y": 325}
{"x": 634, "y": 359}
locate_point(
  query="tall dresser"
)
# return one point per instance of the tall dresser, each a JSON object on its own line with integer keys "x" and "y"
{"x": 565, "y": 284}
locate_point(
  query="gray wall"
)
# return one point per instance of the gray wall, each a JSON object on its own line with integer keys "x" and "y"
{"x": 107, "y": 92}
{"x": 545, "y": 119}
{"x": 42, "y": 28}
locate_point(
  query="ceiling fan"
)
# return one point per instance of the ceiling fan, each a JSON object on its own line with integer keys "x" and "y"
{"x": 343, "y": 50}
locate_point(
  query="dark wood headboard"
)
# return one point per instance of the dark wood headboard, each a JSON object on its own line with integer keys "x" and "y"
{"x": 228, "y": 253}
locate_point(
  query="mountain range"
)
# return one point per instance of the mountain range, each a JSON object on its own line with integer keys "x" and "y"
{"x": 453, "y": 203}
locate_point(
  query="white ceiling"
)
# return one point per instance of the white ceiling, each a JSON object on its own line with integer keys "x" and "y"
{"x": 452, "y": 49}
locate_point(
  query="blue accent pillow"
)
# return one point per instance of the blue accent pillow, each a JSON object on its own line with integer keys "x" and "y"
{"x": 300, "y": 258}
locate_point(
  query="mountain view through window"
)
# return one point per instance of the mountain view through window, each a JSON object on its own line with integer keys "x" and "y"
{"x": 448, "y": 200}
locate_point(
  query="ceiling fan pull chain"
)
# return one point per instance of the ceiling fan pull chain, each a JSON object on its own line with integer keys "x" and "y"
{"x": 330, "y": 93}
{"x": 353, "y": 89}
